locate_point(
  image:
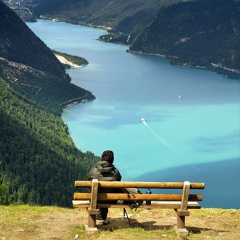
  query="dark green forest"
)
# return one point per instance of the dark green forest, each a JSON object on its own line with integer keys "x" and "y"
{"x": 38, "y": 159}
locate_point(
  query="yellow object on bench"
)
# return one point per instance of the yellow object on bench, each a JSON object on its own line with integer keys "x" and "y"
{"x": 180, "y": 202}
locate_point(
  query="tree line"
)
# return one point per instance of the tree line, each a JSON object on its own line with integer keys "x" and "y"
{"x": 38, "y": 160}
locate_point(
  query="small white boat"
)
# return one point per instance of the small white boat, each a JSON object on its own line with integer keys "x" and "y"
{"x": 143, "y": 120}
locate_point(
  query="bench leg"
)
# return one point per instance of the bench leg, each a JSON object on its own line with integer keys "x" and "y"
{"x": 180, "y": 229}
{"x": 91, "y": 226}
{"x": 180, "y": 222}
{"x": 91, "y": 221}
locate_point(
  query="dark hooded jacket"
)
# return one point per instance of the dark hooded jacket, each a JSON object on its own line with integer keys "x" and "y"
{"x": 104, "y": 171}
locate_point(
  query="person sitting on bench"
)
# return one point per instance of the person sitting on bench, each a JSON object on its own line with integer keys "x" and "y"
{"x": 104, "y": 170}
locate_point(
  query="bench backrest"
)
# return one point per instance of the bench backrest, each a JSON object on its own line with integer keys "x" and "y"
{"x": 184, "y": 197}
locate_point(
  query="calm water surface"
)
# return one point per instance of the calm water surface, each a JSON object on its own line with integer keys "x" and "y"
{"x": 192, "y": 115}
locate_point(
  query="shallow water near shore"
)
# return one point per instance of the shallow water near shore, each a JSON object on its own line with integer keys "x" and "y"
{"x": 192, "y": 115}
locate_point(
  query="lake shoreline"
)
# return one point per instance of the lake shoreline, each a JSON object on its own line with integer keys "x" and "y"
{"x": 201, "y": 125}
{"x": 219, "y": 69}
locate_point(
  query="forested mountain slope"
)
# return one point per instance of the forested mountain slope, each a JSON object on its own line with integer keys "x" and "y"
{"x": 199, "y": 33}
{"x": 120, "y": 17}
{"x": 30, "y": 66}
{"x": 38, "y": 159}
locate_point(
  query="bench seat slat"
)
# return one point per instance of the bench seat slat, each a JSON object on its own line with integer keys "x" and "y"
{"x": 162, "y": 204}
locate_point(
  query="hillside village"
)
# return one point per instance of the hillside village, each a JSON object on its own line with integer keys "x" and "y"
{"x": 22, "y": 8}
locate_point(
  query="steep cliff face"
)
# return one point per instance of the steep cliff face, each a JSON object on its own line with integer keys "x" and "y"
{"x": 31, "y": 68}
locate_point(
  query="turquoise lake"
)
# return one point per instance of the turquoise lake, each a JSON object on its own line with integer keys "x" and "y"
{"x": 192, "y": 115}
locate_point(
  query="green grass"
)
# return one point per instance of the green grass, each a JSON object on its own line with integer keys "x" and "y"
{"x": 34, "y": 222}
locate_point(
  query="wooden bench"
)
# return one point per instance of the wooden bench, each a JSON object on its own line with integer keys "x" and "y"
{"x": 181, "y": 202}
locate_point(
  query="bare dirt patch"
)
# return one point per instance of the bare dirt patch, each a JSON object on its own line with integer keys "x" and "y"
{"x": 65, "y": 61}
{"x": 26, "y": 222}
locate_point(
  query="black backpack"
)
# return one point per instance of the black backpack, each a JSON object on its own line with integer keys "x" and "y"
{"x": 132, "y": 204}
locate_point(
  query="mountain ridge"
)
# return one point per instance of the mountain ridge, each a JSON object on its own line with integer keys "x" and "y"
{"x": 208, "y": 38}
{"x": 189, "y": 33}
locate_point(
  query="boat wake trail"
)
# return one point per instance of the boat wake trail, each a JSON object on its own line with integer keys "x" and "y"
{"x": 160, "y": 139}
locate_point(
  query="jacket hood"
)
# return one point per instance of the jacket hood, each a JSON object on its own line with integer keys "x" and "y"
{"x": 105, "y": 167}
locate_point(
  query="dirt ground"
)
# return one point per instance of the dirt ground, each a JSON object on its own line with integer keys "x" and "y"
{"x": 58, "y": 223}
{"x": 201, "y": 224}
